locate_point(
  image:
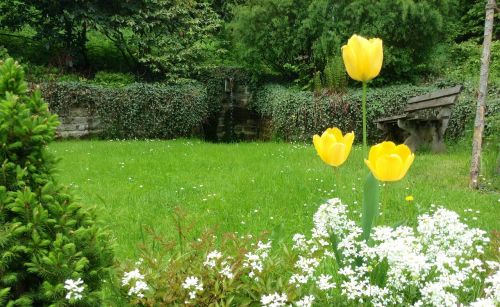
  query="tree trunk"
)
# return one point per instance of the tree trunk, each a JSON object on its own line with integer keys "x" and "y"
{"x": 82, "y": 45}
{"x": 481, "y": 99}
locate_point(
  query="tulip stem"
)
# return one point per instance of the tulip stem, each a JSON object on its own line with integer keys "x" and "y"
{"x": 365, "y": 86}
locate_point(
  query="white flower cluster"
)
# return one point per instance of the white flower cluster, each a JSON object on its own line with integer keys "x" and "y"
{"x": 255, "y": 261}
{"x": 213, "y": 260}
{"x": 274, "y": 300}
{"x": 193, "y": 285}
{"x": 492, "y": 287}
{"x": 135, "y": 280}
{"x": 439, "y": 258}
{"x": 75, "y": 289}
{"x": 306, "y": 301}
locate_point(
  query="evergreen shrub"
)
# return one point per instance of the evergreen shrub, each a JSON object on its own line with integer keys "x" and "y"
{"x": 45, "y": 237}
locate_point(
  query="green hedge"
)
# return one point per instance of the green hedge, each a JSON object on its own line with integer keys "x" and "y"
{"x": 297, "y": 115}
{"x": 135, "y": 111}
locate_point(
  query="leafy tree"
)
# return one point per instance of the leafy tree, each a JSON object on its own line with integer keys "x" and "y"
{"x": 165, "y": 37}
{"x": 470, "y": 21}
{"x": 61, "y": 25}
{"x": 45, "y": 237}
{"x": 225, "y": 7}
{"x": 276, "y": 36}
{"x": 294, "y": 38}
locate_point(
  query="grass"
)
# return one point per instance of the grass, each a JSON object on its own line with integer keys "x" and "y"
{"x": 250, "y": 187}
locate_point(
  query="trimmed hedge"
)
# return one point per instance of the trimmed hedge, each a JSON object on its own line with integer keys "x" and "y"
{"x": 136, "y": 111}
{"x": 297, "y": 115}
{"x": 160, "y": 111}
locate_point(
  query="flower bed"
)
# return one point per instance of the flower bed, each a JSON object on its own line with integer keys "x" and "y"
{"x": 440, "y": 262}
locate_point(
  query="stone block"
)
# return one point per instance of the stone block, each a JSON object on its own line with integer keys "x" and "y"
{"x": 79, "y": 111}
{"x": 73, "y": 134}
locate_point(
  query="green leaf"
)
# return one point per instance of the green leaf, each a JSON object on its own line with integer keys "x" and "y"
{"x": 371, "y": 196}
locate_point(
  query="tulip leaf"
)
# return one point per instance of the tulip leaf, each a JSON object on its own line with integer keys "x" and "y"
{"x": 371, "y": 195}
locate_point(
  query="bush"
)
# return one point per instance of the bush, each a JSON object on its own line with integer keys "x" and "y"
{"x": 113, "y": 79}
{"x": 3, "y": 53}
{"x": 297, "y": 115}
{"x": 47, "y": 242}
{"x": 294, "y": 39}
{"x": 465, "y": 62}
{"x": 135, "y": 111}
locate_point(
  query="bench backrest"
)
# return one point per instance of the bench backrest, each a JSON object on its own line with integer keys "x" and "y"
{"x": 441, "y": 98}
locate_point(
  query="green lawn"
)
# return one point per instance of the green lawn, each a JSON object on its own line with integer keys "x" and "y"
{"x": 249, "y": 187}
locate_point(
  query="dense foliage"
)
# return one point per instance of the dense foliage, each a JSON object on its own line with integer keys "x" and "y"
{"x": 283, "y": 40}
{"x": 135, "y": 111}
{"x": 296, "y": 115}
{"x": 165, "y": 37}
{"x": 45, "y": 237}
{"x": 295, "y": 38}
{"x": 62, "y": 25}
{"x": 470, "y": 23}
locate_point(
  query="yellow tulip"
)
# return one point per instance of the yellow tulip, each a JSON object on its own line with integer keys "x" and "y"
{"x": 332, "y": 147}
{"x": 389, "y": 162}
{"x": 363, "y": 57}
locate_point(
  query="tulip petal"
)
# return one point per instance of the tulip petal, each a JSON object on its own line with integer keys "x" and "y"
{"x": 328, "y": 139}
{"x": 361, "y": 47}
{"x": 407, "y": 163}
{"x": 350, "y": 62}
{"x": 348, "y": 140}
{"x": 371, "y": 166}
{"x": 389, "y": 167}
{"x": 336, "y": 154}
{"x": 318, "y": 144}
{"x": 403, "y": 151}
{"x": 338, "y": 134}
{"x": 376, "y": 57}
{"x": 381, "y": 149}
{"x": 375, "y": 152}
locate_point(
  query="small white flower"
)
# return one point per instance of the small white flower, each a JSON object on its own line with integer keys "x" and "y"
{"x": 138, "y": 289}
{"x": 227, "y": 272}
{"x": 128, "y": 276}
{"x": 324, "y": 282}
{"x": 211, "y": 259}
{"x": 274, "y": 300}
{"x": 136, "y": 281}
{"x": 483, "y": 302}
{"x": 193, "y": 284}
{"x": 306, "y": 301}
{"x": 75, "y": 288}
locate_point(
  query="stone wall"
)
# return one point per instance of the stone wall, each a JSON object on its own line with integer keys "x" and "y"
{"x": 237, "y": 121}
{"x": 78, "y": 122}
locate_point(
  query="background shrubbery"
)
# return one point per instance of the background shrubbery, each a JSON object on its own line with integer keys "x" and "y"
{"x": 296, "y": 115}
{"x": 136, "y": 111}
{"x": 142, "y": 110}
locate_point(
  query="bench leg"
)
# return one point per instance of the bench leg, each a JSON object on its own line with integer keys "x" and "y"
{"x": 438, "y": 145}
{"x": 414, "y": 141}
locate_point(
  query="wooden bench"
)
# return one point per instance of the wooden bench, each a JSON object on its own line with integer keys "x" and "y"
{"x": 424, "y": 120}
